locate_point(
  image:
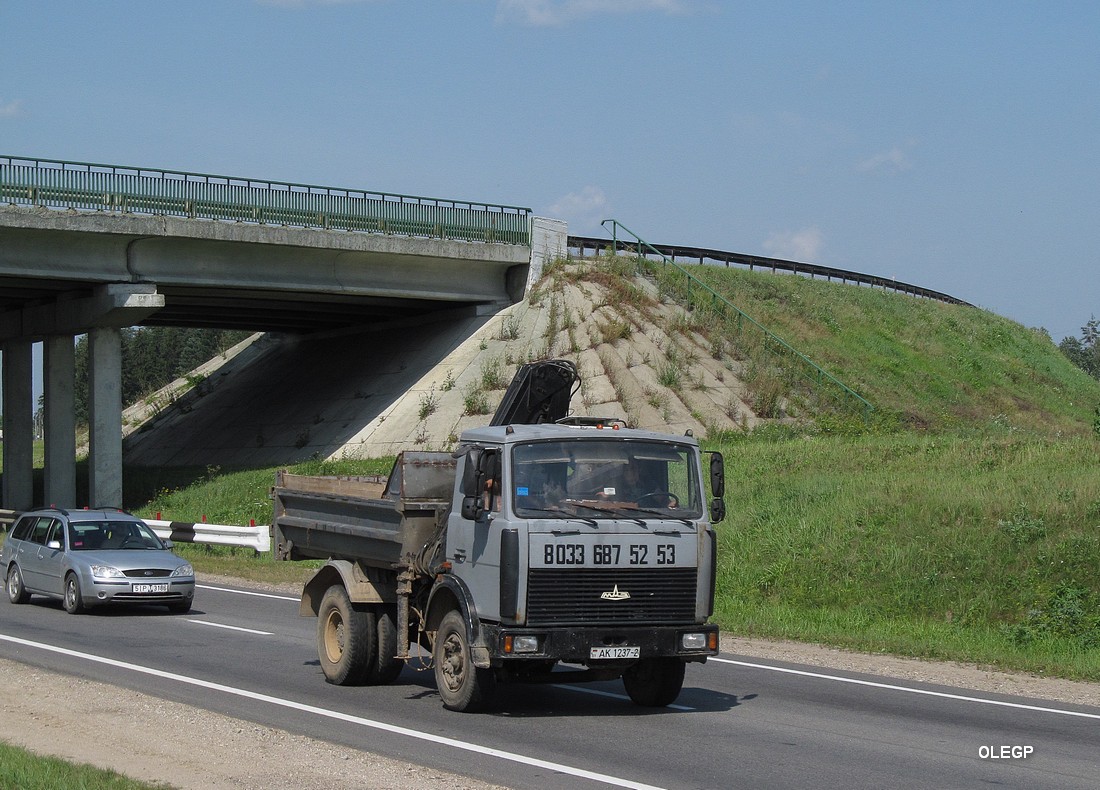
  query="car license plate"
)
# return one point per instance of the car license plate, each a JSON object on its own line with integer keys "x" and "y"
{"x": 614, "y": 652}
{"x": 149, "y": 588}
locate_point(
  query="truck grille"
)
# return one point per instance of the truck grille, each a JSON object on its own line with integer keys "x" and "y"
{"x": 657, "y": 595}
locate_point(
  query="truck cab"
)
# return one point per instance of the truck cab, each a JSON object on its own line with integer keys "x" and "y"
{"x": 586, "y": 544}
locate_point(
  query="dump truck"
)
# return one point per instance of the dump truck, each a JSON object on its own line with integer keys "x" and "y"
{"x": 545, "y": 548}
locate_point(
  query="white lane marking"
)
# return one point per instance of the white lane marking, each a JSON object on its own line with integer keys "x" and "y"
{"x": 598, "y": 693}
{"x": 347, "y": 717}
{"x": 909, "y": 690}
{"x": 248, "y": 592}
{"x": 232, "y": 627}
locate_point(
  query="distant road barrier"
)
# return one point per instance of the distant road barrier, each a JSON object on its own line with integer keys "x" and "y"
{"x": 704, "y": 255}
{"x": 142, "y": 190}
{"x": 254, "y": 537}
{"x": 257, "y": 538}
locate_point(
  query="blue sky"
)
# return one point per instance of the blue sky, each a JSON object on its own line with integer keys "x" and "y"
{"x": 954, "y": 145}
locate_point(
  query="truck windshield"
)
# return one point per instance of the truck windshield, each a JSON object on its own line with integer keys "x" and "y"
{"x": 605, "y": 479}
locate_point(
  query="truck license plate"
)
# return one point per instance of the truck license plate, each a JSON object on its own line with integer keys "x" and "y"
{"x": 149, "y": 588}
{"x": 614, "y": 652}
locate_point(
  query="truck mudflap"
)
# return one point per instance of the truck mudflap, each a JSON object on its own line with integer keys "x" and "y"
{"x": 596, "y": 646}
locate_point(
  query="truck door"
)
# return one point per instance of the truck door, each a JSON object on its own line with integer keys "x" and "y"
{"x": 473, "y": 534}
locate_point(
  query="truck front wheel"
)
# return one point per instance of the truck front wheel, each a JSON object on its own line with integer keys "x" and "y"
{"x": 462, "y": 686}
{"x": 345, "y": 639}
{"x": 654, "y": 682}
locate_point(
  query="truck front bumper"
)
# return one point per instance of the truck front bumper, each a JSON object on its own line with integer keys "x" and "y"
{"x": 599, "y": 646}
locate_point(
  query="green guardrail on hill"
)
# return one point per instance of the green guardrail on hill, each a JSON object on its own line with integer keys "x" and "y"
{"x": 139, "y": 190}
{"x": 699, "y": 295}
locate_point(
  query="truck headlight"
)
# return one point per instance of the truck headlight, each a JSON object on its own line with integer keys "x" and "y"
{"x": 521, "y": 644}
{"x": 693, "y": 641}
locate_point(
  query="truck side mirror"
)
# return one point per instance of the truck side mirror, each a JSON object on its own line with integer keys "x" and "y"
{"x": 471, "y": 472}
{"x": 471, "y": 507}
{"x": 717, "y": 510}
{"x": 717, "y": 474}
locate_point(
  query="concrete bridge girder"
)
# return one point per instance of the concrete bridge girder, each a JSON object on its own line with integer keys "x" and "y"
{"x": 100, "y": 247}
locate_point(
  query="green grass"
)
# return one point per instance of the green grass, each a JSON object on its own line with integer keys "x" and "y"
{"x": 926, "y": 364}
{"x": 27, "y": 771}
{"x": 981, "y": 549}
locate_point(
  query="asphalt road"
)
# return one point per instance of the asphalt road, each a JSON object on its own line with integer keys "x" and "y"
{"x": 740, "y": 722}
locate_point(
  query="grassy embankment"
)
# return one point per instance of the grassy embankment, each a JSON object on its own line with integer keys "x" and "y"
{"x": 20, "y": 768}
{"x": 960, "y": 523}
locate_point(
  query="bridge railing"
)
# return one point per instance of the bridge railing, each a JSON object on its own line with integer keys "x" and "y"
{"x": 87, "y": 186}
{"x": 699, "y": 295}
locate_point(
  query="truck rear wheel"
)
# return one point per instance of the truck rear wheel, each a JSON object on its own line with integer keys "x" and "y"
{"x": 462, "y": 686}
{"x": 346, "y": 642}
{"x": 386, "y": 669}
{"x": 654, "y": 682}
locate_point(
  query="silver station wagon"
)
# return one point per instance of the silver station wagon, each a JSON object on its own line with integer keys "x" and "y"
{"x": 89, "y": 557}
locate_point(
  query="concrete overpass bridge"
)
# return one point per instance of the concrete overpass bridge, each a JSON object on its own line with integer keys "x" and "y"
{"x": 88, "y": 248}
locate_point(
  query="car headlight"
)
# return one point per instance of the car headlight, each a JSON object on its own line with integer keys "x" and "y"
{"x": 184, "y": 570}
{"x": 106, "y": 572}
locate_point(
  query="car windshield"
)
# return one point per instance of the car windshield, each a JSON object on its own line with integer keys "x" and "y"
{"x": 605, "y": 479}
{"x": 112, "y": 535}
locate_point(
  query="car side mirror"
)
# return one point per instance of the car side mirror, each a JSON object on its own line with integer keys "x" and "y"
{"x": 53, "y": 544}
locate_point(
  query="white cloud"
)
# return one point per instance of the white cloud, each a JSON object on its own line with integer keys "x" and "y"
{"x": 797, "y": 245}
{"x": 11, "y": 109}
{"x": 893, "y": 161}
{"x": 554, "y": 13}
{"x": 583, "y": 210}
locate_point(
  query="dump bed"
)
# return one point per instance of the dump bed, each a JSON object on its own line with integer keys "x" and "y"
{"x": 370, "y": 519}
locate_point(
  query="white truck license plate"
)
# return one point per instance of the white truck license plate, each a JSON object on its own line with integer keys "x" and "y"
{"x": 614, "y": 652}
{"x": 149, "y": 588}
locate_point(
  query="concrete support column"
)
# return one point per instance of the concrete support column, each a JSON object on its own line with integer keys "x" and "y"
{"x": 549, "y": 241}
{"x": 105, "y": 417}
{"x": 59, "y": 368}
{"x": 18, "y": 488}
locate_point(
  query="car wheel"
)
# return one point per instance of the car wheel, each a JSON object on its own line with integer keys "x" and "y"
{"x": 74, "y": 601}
{"x": 180, "y": 607}
{"x": 462, "y": 686}
{"x": 17, "y": 593}
{"x": 345, "y": 639}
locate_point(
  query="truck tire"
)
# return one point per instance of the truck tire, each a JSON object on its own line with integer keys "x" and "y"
{"x": 386, "y": 669}
{"x": 654, "y": 682}
{"x": 346, "y": 642}
{"x": 462, "y": 686}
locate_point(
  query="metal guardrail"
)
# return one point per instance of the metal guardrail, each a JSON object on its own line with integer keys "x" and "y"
{"x": 643, "y": 249}
{"x": 253, "y": 537}
{"x": 704, "y": 254}
{"x": 139, "y": 190}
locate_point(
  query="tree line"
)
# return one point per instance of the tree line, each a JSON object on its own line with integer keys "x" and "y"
{"x": 153, "y": 357}
{"x": 1084, "y": 352}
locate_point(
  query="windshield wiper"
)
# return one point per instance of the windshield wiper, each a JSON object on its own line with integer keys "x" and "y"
{"x": 561, "y": 514}
{"x": 661, "y": 514}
